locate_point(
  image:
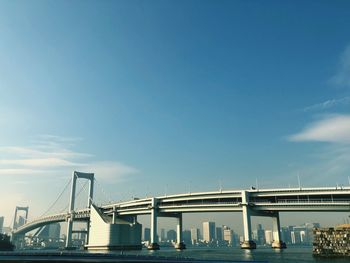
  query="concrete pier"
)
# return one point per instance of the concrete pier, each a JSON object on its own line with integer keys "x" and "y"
{"x": 276, "y": 228}
{"x": 179, "y": 241}
{"x": 248, "y": 241}
{"x": 154, "y": 217}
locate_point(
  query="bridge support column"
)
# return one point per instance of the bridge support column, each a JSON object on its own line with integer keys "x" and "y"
{"x": 75, "y": 176}
{"x": 179, "y": 243}
{"x": 277, "y": 242}
{"x": 154, "y": 216}
{"x": 248, "y": 243}
{"x": 71, "y": 211}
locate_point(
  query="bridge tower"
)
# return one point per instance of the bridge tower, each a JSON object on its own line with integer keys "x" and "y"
{"x": 78, "y": 175}
{"x": 20, "y": 208}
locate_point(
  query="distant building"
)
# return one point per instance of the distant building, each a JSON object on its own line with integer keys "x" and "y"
{"x": 162, "y": 235}
{"x": 218, "y": 234}
{"x": 208, "y": 231}
{"x": 1, "y": 224}
{"x": 21, "y": 221}
{"x": 147, "y": 234}
{"x": 295, "y": 237}
{"x": 186, "y": 236}
{"x": 171, "y": 235}
{"x": 268, "y": 237}
{"x": 52, "y": 231}
{"x": 195, "y": 235}
{"x": 285, "y": 235}
{"x": 260, "y": 235}
{"x": 228, "y": 235}
{"x": 6, "y": 230}
{"x": 300, "y": 235}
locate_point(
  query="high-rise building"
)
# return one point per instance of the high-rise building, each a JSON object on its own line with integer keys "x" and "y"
{"x": 50, "y": 231}
{"x": 295, "y": 237}
{"x": 6, "y": 230}
{"x": 300, "y": 235}
{"x": 195, "y": 235}
{"x": 218, "y": 234}
{"x": 162, "y": 234}
{"x": 268, "y": 237}
{"x": 21, "y": 221}
{"x": 260, "y": 235}
{"x": 1, "y": 223}
{"x": 186, "y": 236}
{"x": 228, "y": 234}
{"x": 285, "y": 235}
{"x": 208, "y": 231}
{"x": 171, "y": 235}
{"x": 147, "y": 234}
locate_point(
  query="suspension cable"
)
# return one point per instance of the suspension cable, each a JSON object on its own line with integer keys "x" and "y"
{"x": 59, "y": 196}
{"x": 81, "y": 189}
{"x": 103, "y": 191}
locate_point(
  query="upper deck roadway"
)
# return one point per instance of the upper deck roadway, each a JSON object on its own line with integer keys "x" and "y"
{"x": 336, "y": 199}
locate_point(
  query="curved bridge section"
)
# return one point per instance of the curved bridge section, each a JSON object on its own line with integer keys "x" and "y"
{"x": 280, "y": 200}
{"x": 80, "y": 215}
{"x": 253, "y": 202}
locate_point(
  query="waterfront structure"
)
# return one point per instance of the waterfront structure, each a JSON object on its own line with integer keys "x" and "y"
{"x": 332, "y": 242}
{"x": 253, "y": 202}
{"x": 113, "y": 233}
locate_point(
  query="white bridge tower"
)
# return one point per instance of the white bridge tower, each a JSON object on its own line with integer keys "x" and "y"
{"x": 78, "y": 175}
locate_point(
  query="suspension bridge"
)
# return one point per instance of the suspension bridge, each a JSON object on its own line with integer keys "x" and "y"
{"x": 114, "y": 225}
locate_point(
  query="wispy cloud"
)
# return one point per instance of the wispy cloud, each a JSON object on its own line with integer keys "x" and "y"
{"x": 332, "y": 128}
{"x": 342, "y": 76}
{"x": 110, "y": 169}
{"x": 50, "y": 155}
{"x": 328, "y": 104}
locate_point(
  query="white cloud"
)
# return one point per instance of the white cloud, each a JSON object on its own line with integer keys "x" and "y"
{"x": 41, "y": 162}
{"x": 342, "y": 77}
{"x": 328, "y": 104}
{"x": 335, "y": 129}
{"x": 52, "y": 155}
{"x": 110, "y": 169}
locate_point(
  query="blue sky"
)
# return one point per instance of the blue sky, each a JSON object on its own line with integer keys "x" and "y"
{"x": 172, "y": 96}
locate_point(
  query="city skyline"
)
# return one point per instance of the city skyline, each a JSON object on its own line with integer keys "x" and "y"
{"x": 160, "y": 99}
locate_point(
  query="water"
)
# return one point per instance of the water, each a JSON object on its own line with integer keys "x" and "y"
{"x": 290, "y": 255}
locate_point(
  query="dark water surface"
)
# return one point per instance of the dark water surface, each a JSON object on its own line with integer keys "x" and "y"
{"x": 291, "y": 254}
